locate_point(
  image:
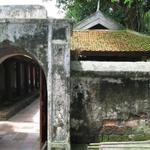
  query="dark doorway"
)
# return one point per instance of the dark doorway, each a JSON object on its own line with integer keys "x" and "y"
{"x": 22, "y": 81}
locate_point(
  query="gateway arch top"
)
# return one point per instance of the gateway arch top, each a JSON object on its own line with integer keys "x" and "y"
{"x": 22, "y": 12}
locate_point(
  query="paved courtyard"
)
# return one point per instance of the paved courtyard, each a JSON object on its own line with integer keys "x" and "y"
{"x": 21, "y": 132}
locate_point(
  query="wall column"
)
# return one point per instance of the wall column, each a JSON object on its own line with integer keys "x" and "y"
{"x": 18, "y": 77}
{"x": 59, "y": 86}
{"x": 26, "y": 78}
{"x": 8, "y": 90}
{"x": 31, "y": 78}
{"x": 37, "y": 77}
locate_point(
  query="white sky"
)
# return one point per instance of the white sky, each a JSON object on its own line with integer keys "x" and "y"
{"x": 50, "y": 5}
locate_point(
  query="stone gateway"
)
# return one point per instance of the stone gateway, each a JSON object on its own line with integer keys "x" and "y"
{"x": 27, "y": 31}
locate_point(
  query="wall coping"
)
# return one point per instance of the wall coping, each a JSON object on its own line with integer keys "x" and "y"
{"x": 95, "y": 68}
{"x": 22, "y": 12}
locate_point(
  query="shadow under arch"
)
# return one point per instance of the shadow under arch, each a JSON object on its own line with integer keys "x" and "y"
{"x": 9, "y": 51}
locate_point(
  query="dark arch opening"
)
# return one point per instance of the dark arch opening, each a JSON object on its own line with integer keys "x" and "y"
{"x": 98, "y": 26}
{"x": 28, "y": 76}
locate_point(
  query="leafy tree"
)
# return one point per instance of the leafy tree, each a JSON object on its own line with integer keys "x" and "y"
{"x": 147, "y": 22}
{"x": 135, "y": 11}
{"x": 130, "y": 13}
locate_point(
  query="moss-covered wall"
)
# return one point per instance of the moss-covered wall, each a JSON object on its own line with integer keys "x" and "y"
{"x": 109, "y": 109}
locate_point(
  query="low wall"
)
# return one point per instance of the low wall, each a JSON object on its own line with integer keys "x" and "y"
{"x": 140, "y": 145}
{"x": 125, "y": 146}
{"x": 110, "y": 101}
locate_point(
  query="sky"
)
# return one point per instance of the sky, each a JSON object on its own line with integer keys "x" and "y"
{"x": 50, "y": 5}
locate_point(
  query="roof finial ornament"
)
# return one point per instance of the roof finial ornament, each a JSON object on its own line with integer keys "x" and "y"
{"x": 98, "y": 5}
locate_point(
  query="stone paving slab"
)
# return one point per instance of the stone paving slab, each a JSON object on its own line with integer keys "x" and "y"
{"x": 21, "y": 132}
{"x": 8, "y": 112}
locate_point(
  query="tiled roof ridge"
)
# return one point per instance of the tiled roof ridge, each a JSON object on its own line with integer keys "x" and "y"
{"x": 113, "y": 31}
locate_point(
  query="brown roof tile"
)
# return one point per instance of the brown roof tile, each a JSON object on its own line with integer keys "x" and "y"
{"x": 104, "y": 40}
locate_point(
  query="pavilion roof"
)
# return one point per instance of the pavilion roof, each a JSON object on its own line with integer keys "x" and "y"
{"x": 109, "y": 41}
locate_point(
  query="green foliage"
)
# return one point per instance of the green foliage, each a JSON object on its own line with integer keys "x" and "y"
{"x": 147, "y": 21}
{"x": 78, "y": 10}
{"x": 129, "y": 2}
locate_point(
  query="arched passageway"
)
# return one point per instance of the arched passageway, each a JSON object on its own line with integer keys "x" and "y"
{"x": 22, "y": 80}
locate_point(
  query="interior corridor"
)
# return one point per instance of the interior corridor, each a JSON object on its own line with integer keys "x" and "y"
{"x": 21, "y": 132}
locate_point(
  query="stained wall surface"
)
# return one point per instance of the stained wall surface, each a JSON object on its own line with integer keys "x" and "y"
{"x": 109, "y": 105}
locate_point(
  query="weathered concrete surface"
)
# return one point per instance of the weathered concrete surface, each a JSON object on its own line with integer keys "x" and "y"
{"x": 96, "y": 68}
{"x": 140, "y": 145}
{"x": 27, "y": 31}
{"x": 25, "y": 37}
{"x": 23, "y": 11}
{"x": 108, "y": 107}
{"x": 59, "y": 85}
{"x": 125, "y": 146}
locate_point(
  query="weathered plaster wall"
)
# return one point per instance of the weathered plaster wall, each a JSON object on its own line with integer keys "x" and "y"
{"x": 59, "y": 85}
{"x": 27, "y": 35}
{"x": 109, "y": 107}
{"x": 23, "y": 11}
{"x": 27, "y": 31}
